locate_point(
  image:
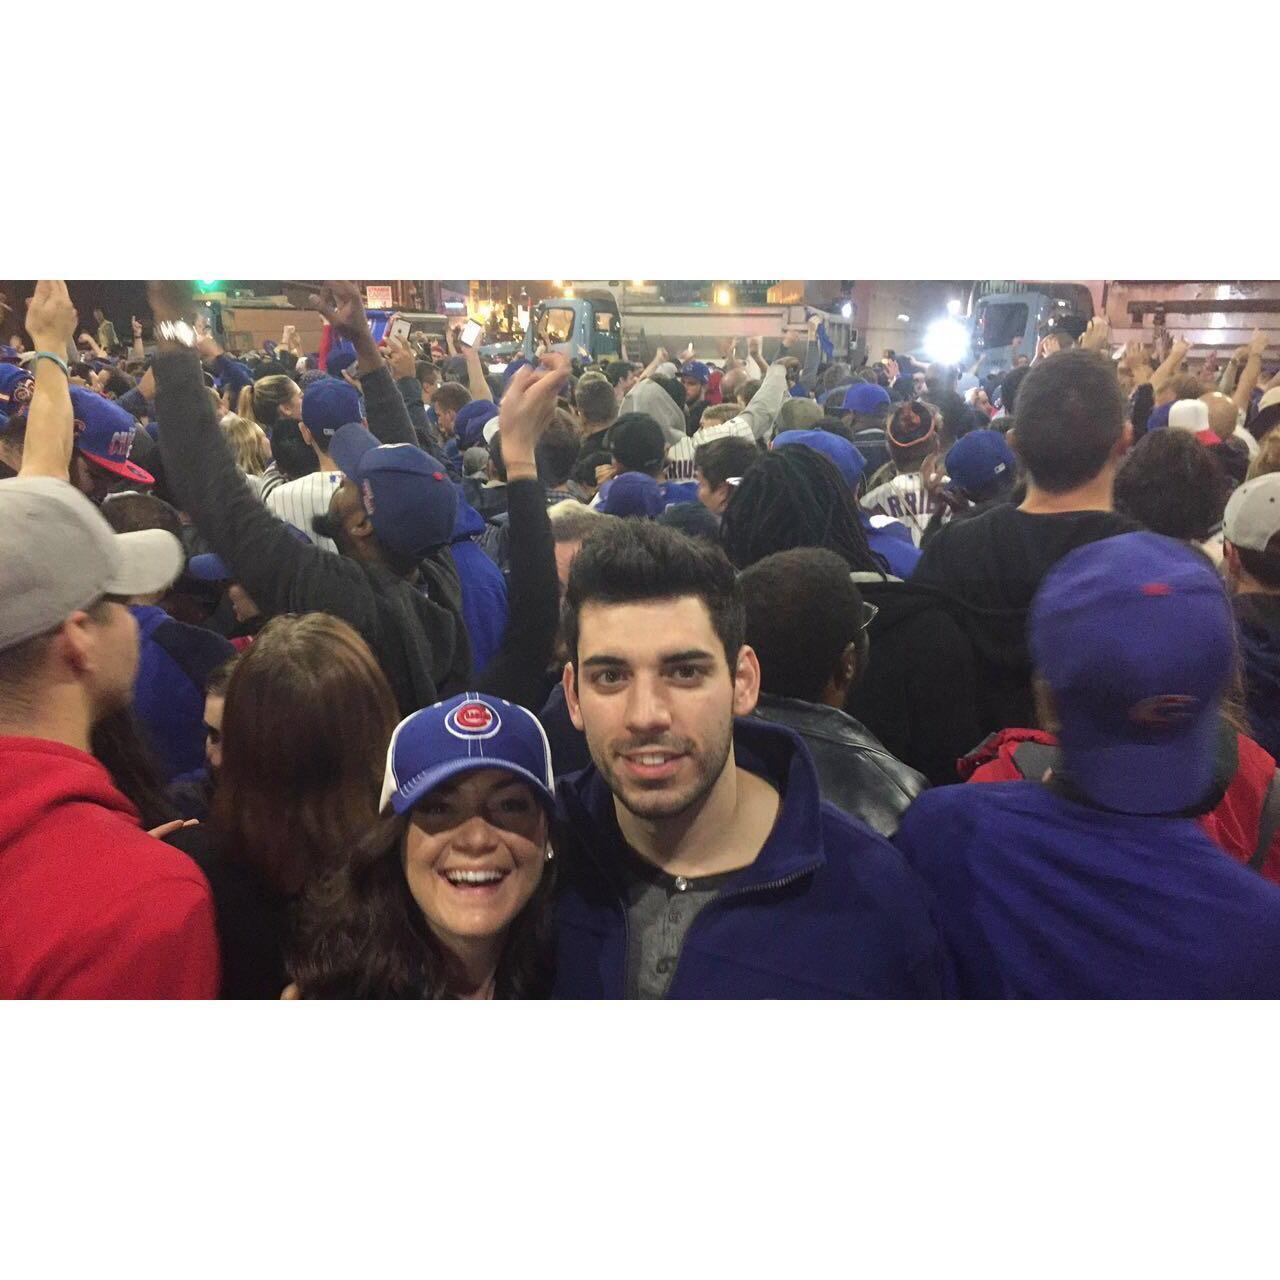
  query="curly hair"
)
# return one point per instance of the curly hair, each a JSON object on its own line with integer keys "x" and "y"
{"x": 795, "y": 498}
{"x": 359, "y": 934}
{"x": 1171, "y": 484}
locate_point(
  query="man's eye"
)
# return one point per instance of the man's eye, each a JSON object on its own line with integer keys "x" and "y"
{"x": 608, "y": 677}
{"x": 516, "y": 804}
{"x": 687, "y": 672}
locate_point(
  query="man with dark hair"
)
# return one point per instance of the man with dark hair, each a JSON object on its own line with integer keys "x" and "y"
{"x": 636, "y": 444}
{"x": 597, "y": 409}
{"x": 556, "y": 453}
{"x": 1170, "y": 484}
{"x": 1251, "y": 552}
{"x": 1071, "y": 437}
{"x": 694, "y": 376}
{"x": 1009, "y": 390}
{"x": 807, "y": 623}
{"x": 718, "y": 466}
{"x": 448, "y": 399}
{"x": 1090, "y": 882}
{"x": 700, "y": 860}
{"x": 174, "y": 659}
{"x": 622, "y": 376}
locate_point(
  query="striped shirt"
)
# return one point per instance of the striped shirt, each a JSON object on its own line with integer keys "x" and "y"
{"x": 904, "y": 498}
{"x": 300, "y": 501}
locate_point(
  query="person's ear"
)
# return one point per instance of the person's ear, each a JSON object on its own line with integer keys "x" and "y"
{"x": 76, "y": 642}
{"x": 361, "y": 526}
{"x": 568, "y": 679}
{"x": 746, "y": 682}
{"x": 849, "y": 664}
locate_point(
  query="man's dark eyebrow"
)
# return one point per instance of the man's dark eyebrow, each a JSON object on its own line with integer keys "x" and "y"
{"x": 687, "y": 655}
{"x": 604, "y": 660}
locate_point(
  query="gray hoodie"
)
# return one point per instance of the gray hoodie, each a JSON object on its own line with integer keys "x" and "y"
{"x": 648, "y": 397}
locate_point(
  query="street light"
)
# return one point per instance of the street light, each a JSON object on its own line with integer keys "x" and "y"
{"x": 723, "y": 297}
{"x": 846, "y": 310}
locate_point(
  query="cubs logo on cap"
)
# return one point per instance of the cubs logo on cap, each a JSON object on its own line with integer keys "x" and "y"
{"x": 473, "y": 719}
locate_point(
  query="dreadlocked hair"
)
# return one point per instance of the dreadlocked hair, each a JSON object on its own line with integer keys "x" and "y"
{"x": 795, "y": 498}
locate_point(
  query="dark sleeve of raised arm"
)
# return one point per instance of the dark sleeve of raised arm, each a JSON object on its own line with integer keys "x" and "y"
{"x": 517, "y": 671}
{"x": 384, "y": 406}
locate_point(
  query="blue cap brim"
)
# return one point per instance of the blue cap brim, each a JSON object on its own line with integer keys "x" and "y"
{"x": 349, "y": 444}
{"x": 405, "y": 798}
{"x": 209, "y": 568}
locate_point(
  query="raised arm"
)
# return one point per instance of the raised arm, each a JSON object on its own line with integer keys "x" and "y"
{"x": 763, "y": 407}
{"x": 139, "y": 351}
{"x": 51, "y": 322}
{"x": 1169, "y": 365}
{"x": 340, "y": 303}
{"x": 1252, "y": 369}
{"x": 477, "y": 383}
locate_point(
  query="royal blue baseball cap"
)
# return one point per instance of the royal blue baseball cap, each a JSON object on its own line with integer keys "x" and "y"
{"x": 976, "y": 461}
{"x": 409, "y": 500}
{"x": 16, "y": 386}
{"x": 1159, "y": 417}
{"x": 104, "y": 434}
{"x": 865, "y": 397}
{"x": 472, "y": 731}
{"x": 468, "y": 425}
{"x": 341, "y": 356}
{"x": 633, "y": 494}
{"x": 8, "y": 353}
{"x": 1136, "y": 639}
{"x": 847, "y": 456}
{"x": 695, "y": 370}
{"x": 330, "y": 403}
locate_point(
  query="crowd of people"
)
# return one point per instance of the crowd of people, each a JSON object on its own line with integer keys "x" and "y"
{"x": 377, "y": 672}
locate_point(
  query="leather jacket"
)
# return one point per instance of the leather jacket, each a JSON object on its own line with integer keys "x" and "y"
{"x": 856, "y": 773}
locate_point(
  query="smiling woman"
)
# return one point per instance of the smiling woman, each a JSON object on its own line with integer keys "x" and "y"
{"x": 449, "y": 896}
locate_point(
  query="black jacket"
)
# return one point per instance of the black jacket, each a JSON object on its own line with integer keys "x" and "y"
{"x": 416, "y": 634}
{"x": 918, "y": 692}
{"x": 855, "y": 772}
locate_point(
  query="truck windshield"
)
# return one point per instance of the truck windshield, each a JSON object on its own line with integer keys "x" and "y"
{"x": 998, "y": 323}
{"x": 556, "y": 325}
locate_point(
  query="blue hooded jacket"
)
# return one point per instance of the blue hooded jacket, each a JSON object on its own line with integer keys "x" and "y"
{"x": 827, "y": 910}
{"x": 484, "y": 589}
{"x": 1258, "y": 626}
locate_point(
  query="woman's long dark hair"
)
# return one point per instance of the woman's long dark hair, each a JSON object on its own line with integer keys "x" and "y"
{"x": 795, "y": 497}
{"x": 118, "y": 742}
{"x": 361, "y": 935}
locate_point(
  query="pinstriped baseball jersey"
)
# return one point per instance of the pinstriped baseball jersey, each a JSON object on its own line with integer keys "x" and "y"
{"x": 301, "y": 500}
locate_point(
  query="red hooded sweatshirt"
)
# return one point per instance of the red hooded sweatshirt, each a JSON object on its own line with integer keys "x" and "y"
{"x": 91, "y": 907}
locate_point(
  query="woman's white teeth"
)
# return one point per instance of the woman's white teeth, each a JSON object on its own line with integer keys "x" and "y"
{"x": 473, "y": 877}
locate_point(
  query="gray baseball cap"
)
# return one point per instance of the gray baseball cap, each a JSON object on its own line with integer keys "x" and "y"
{"x": 1252, "y": 516}
{"x": 57, "y": 555}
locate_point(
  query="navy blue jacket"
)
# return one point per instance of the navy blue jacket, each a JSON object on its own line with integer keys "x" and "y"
{"x": 1040, "y": 896}
{"x": 827, "y": 910}
{"x": 174, "y": 662}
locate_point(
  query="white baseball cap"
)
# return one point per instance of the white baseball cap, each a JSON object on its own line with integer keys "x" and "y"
{"x": 1189, "y": 415}
{"x": 58, "y": 554}
{"x": 1252, "y": 517}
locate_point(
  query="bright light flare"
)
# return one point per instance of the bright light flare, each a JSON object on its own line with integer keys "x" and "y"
{"x": 946, "y": 341}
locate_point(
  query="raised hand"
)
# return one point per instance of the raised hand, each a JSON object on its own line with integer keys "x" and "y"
{"x": 1259, "y": 343}
{"x": 51, "y": 317}
{"x": 401, "y": 358}
{"x": 340, "y": 303}
{"x": 528, "y": 405}
{"x": 136, "y": 325}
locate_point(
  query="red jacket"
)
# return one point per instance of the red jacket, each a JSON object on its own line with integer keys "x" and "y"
{"x": 91, "y": 907}
{"x": 1235, "y": 825}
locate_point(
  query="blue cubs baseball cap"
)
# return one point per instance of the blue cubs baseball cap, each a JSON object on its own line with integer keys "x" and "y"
{"x": 976, "y": 461}
{"x": 846, "y": 455}
{"x": 472, "y": 731}
{"x": 408, "y": 498}
{"x": 16, "y": 386}
{"x": 864, "y": 397}
{"x": 696, "y": 370}
{"x": 341, "y": 356}
{"x": 1136, "y": 639}
{"x": 633, "y": 494}
{"x": 104, "y": 434}
{"x": 330, "y": 403}
{"x": 469, "y": 423}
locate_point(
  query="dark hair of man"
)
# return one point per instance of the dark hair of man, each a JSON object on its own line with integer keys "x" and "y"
{"x": 495, "y": 456}
{"x": 117, "y": 383}
{"x": 131, "y": 512}
{"x": 1186, "y": 386}
{"x": 1263, "y": 565}
{"x": 674, "y": 388}
{"x": 597, "y": 404}
{"x": 1009, "y": 387}
{"x": 747, "y": 391}
{"x": 1231, "y": 461}
{"x": 78, "y": 369}
{"x": 1070, "y": 418}
{"x": 1171, "y": 484}
{"x": 557, "y": 451}
{"x": 293, "y": 456}
{"x": 361, "y": 935}
{"x": 795, "y": 498}
{"x": 637, "y": 561}
{"x": 616, "y": 370}
{"x": 839, "y": 427}
{"x": 426, "y": 372}
{"x": 837, "y": 374}
{"x": 215, "y": 685}
{"x": 584, "y": 470}
{"x": 308, "y": 718}
{"x": 803, "y": 611}
{"x": 724, "y": 458}
{"x": 452, "y": 395}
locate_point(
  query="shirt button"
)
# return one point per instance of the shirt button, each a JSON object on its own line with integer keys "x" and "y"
{"x": 674, "y": 915}
{"x": 681, "y": 884}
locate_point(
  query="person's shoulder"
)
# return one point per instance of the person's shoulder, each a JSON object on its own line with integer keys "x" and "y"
{"x": 852, "y": 847}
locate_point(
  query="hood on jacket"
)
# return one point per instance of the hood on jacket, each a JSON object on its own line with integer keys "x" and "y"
{"x": 468, "y": 521}
{"x": 648, "y": 397}
{"x": 1258, "y": 627}
{"x": 42, "y": 776}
